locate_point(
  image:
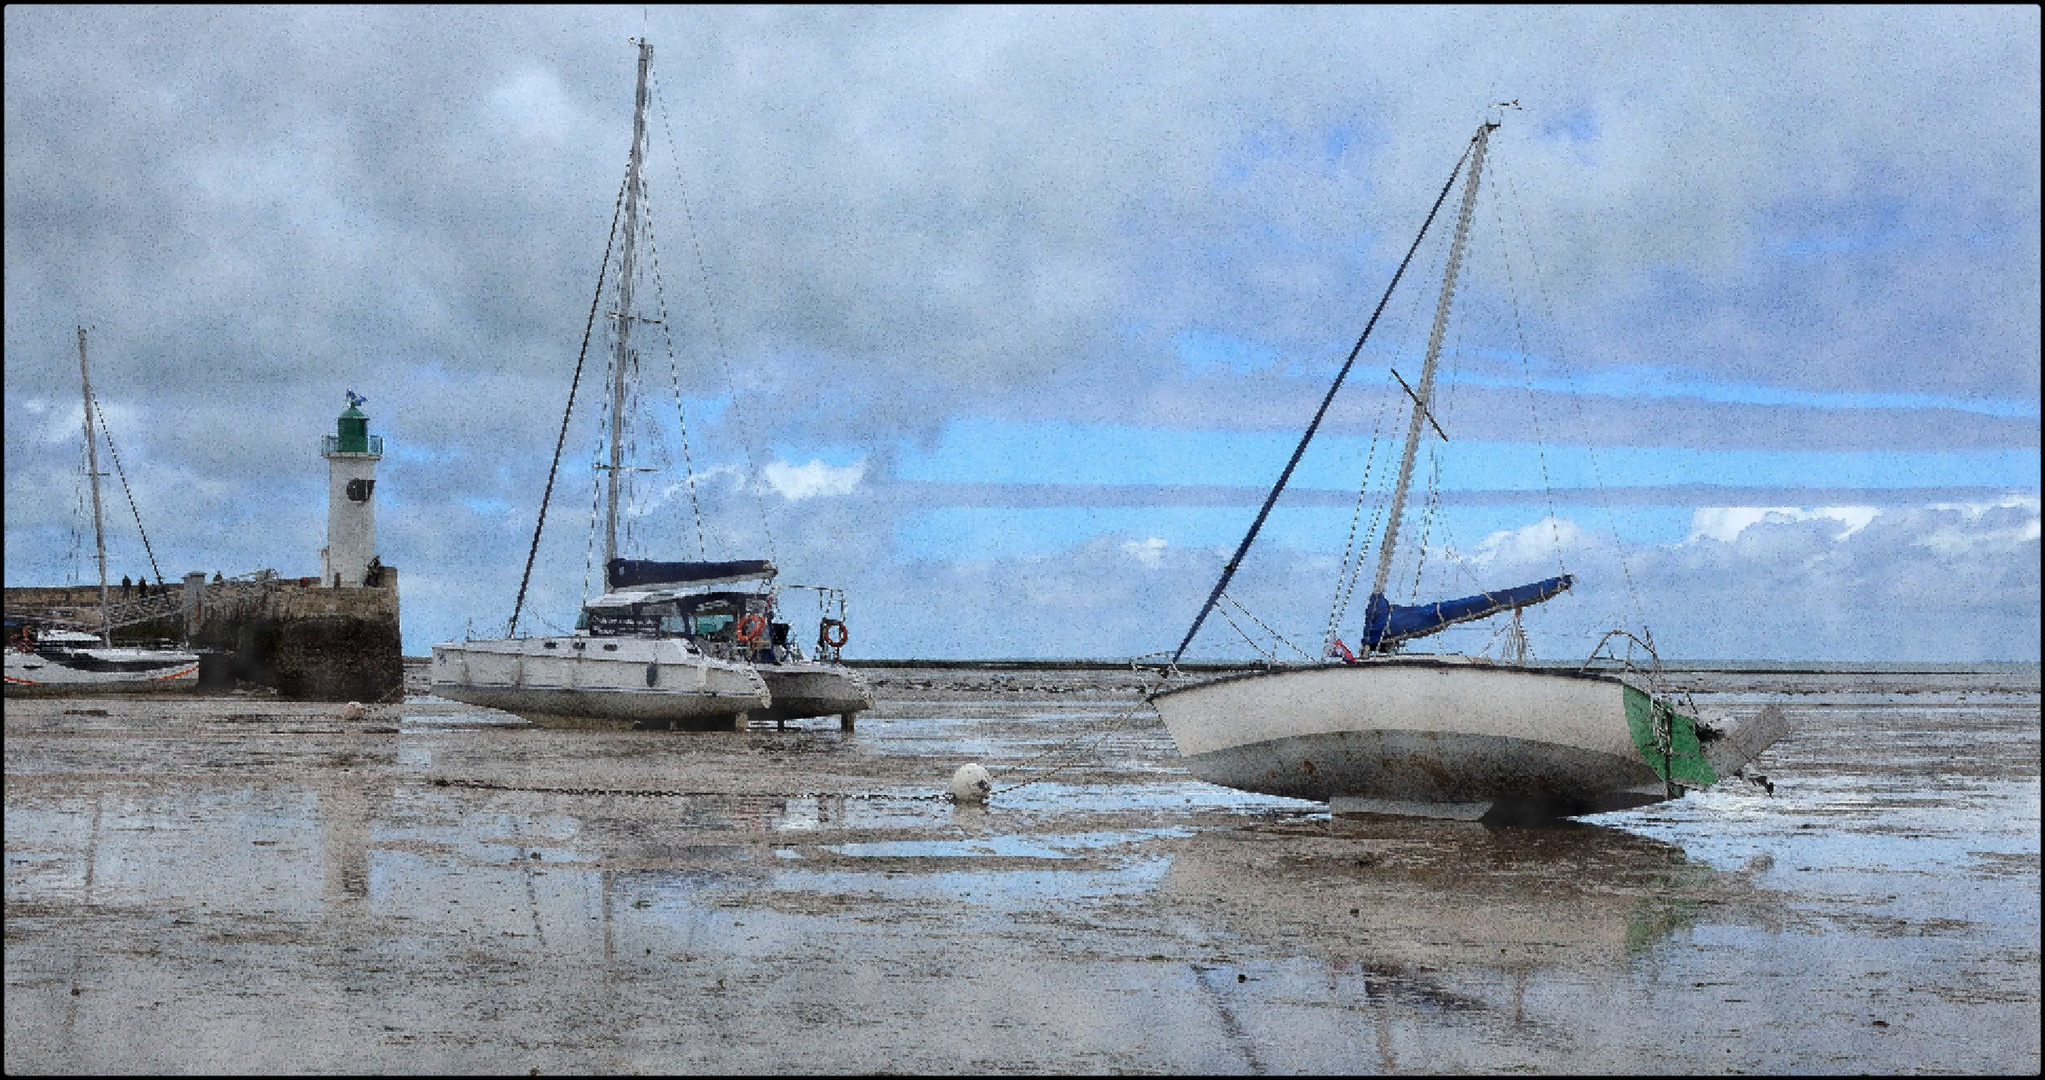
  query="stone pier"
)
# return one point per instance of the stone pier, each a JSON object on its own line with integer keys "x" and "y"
{"x": 308, "y": 642}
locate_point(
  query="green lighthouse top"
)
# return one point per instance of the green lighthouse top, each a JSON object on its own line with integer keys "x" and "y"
{"x": 352, "y": 428}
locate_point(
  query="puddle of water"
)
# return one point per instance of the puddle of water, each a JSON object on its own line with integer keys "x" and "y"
{"x": 1020, "y": 846}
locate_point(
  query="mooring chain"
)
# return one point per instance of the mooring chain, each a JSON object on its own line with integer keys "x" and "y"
{"x": 657, "y": 793}
{"x": 1100, "y": 737}
{"x": 1075, "y": 759}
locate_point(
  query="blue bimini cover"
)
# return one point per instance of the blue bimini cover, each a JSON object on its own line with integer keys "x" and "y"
{"x": 627, "y": 573}
{"x": 1385, "y": 623}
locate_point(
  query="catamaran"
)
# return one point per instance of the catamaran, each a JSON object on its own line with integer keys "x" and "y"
{"x": 660, "y": 647}
{"x": 69, "y": 660}
{"x": 1444, "y": 736}
{"x": 744, "y": 625}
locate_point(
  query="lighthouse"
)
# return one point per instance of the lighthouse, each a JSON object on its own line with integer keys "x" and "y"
{"x": 351, "y": 453}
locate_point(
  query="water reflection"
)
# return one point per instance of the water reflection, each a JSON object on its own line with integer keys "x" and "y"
{"x": 1400, "y": 896}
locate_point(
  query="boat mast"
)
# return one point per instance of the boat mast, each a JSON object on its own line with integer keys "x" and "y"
{"x": 99, "y": 535}
{"x": 1426, "y": 388}
{"x": 624, "y": 313}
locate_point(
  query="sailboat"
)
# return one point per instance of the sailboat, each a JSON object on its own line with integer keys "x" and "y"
{"x": 662, "y": 647}
{"x": 1444, "y": 736}
{"x": 61, "y": 660}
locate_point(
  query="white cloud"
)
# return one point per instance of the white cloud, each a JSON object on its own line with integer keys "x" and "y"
{"x": 1536, "y": 542}
{"x": 2006, "y": 531}
{"x": 816, "y": 478}
{"x": 1149, "y": 552}
{"x": 1725, "y": 523}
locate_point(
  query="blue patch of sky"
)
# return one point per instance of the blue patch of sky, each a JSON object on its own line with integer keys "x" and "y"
{"x": 1256, "y": 147}
{"x": 1577, "y": 125}
{"x": 1815, "y": 231}
{"x": 958, "y": 532}
{"x": 1676, "y": 382}
{"x": 705, "y": 410}
{"x": 486, "y": 506}
{"x": 401, "y": 451}
{"x": 1335, "y": 142}
{"x": 1200, "y": 349}
{"x": 983, "y": 451}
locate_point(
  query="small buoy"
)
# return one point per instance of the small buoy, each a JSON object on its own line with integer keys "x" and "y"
{"x": 970, "y": 784}
{"x": 351, "y": 711}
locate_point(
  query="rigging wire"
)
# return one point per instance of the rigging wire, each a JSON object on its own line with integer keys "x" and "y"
{"x": 1378, "y": 509}
{"x": 1275, "y": 635}
{"x": 1273, "y": 657}
{"x": 1527, "y": 373}
{"x": 596, "y": 483}
{"x": 1569, "y": 379}
{"x": 511, "y": 627}
{"x": 596, "y": 498}
{"x": 675, "y": 377}
{"x": 108, "y": 434}
{"x": 77, "y": 555}
{"x": 723, "y": 349}
{"x": 1427, "y": 513}
{"x": 1345, "y": 574}
{"x": 1451, "y": 395}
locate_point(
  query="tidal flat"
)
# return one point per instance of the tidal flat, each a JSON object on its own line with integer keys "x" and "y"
{"x": 237, "y": 884}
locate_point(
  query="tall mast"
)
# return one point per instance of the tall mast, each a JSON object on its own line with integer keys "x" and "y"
{"x": 1426, "y": 389}
{"x": 99, "y": 535}
{"x": 624, "y": 313}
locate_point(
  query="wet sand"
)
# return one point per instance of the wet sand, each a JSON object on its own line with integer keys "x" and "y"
{"x": 236, "y": 884}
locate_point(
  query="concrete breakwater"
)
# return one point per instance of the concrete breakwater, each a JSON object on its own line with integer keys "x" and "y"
{"x": 307, "y": 641}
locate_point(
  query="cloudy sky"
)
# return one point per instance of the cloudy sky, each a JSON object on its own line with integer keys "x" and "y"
{"x": 1005, "y": 321}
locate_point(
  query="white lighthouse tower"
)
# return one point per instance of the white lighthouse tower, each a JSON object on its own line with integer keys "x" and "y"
{"x": 351, "y": 453}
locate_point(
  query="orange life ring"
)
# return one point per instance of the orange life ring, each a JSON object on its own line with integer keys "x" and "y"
{"x": 751, "y": 627}
{"x": 826, "y": 637}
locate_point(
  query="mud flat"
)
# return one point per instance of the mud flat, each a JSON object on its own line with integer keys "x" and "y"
{"x": 237, "y": 884}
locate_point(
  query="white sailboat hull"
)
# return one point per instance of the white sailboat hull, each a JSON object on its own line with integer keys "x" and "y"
{"x": 599, "y": 682}
{"x": 803, "y": 688}
{"x": 102, "y": 671}
{"x": 1433, "y": 737}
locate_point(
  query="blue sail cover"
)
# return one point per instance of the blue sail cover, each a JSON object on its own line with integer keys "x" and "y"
{"x": 1385, "y": 623}
{"x": 626, "y": 573}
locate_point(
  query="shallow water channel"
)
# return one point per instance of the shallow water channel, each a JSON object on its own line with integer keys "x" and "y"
{"x": 237, "y": 884}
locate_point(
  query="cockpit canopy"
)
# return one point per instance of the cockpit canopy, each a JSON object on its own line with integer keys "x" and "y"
{"x": 711, "y": 615}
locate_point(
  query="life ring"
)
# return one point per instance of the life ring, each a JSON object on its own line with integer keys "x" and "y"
{"x": 751, "y": 627}
{"x": 832, "y": 640}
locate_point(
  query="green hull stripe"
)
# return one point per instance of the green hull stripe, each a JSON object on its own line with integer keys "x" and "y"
{"x": 1684, "y": 760}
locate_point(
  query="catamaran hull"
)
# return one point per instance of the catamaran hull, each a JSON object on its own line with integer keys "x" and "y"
{"x": 803, "y": 689}
{"x": 636, "y": 683}
{"x": 1424, "y": 738}
{"x": 609, "y": 708}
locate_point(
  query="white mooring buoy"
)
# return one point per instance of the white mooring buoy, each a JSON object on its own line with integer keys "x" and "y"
{"x": 970, "y": 784}
{"x": 351, "y": 711}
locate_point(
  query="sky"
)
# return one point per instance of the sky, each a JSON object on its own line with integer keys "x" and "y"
{"x": 1005, "y": 320}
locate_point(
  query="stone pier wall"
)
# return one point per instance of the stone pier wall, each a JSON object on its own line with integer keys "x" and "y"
{"x": 309, "y": 642}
